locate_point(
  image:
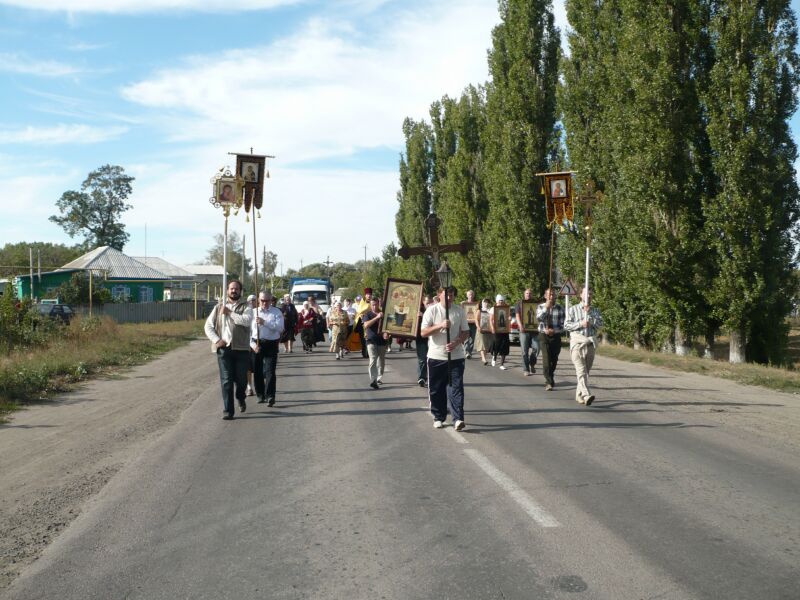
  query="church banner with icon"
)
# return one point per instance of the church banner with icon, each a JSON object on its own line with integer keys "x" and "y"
{"x": 401, "y": 307}
{"x": 558, "y": 193}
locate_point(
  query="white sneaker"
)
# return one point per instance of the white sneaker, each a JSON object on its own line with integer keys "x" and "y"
{"x": 493, "y": 362}
{"x": 459, "y": 425}
{"x": 438, "y": 424}
{"x": 503, "y": 367}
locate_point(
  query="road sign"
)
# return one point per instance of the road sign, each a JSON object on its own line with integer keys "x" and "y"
{"x": 568, "y": 289}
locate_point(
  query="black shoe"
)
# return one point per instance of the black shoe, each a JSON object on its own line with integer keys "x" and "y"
{"x": 271, "y": 402}
{"x": 242, "y": 406}
{"x": 374, "y": 385}
{"x": 421, "y": 382}
{"x": 227, "y": 416}
{"x": 261, "y": 401}
{"x": 589, "y": 399}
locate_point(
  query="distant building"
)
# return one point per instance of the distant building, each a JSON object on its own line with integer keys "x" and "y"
{"x": 181, "y": 282}
{"x": 213, "y": 274}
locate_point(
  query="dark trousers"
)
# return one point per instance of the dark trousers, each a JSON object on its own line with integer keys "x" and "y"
{"x": 469, "y": 343}
{"x": 442, "y": 395}
{"x": 422, "y": 359}
{"x": 233, "y": 366}
{"x": 265, "y": 367}
{"x": 360, "y": 331}
{"x": 550, "y": 348}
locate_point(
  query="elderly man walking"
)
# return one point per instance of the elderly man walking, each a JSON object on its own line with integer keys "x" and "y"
{"x": 583, "y": 321}
{"x": 266, "y": 333}
{"x": 228, "y": 328}
{"x": 528, "y": 340}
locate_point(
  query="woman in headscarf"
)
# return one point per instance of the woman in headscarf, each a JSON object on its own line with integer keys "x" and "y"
{"x": 305, "y": 323}
{"x": 484, "y": 337}
{"x": 289, "y": 323}
{"x": 501, "y": 345}
{"x": 337, "y": 323}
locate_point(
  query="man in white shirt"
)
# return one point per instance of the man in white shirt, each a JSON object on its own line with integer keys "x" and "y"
{"x": 228, "y": 328}
{"x": 582, "y": 321}
{"x": 266, "y": 333}
{"x": 440, "y": 392}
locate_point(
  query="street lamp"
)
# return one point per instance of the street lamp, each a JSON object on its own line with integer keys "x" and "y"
{"x": 445, "y": 276}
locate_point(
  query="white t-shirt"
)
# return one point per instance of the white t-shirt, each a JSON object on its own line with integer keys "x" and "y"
{"x": 437, "y": 342}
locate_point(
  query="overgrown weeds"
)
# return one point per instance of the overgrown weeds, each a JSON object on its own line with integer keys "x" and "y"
{"x": 81, "y": 350}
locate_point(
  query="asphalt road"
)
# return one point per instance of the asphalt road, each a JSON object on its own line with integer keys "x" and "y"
{"x": 670, "y": 486}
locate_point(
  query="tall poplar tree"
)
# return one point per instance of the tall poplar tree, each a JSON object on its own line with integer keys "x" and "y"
{"x": 415, "y": 195}
{"x": 751, "y": 219}
{"x": 521, "y": 118}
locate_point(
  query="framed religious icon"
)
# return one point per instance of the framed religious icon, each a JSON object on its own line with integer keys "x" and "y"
{"x": 502, "y": 318}
{"x": 250, "y": 171}
{"x": 470, "y": 311}
{"x": 483, "y": 322}
{"x": 226, "y": 191}
{"x": 558, "y": 188}
{"x": 528, "y": 316}
{"x": 401, "y": 307}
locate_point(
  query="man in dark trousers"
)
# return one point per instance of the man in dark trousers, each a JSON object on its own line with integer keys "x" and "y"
{"x": 265, "y": 334}
{"x": 551, "y": 325}
{"x": 440, "y": 392}
{"x": 228, "y": 328}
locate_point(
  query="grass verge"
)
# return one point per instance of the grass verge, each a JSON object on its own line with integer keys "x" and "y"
{"x": 86, "y": 348}
{"x": 773, "y": 378}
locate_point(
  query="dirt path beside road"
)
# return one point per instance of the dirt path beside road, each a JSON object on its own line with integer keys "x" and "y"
{"x": 57, "y": 454}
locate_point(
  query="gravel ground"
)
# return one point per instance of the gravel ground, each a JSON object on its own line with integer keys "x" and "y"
{"x": 56, "y": 455}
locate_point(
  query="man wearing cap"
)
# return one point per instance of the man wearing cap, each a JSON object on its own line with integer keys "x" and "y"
{"x": 583, "y": 320}
{"x": 361, "y": 310}
{"x": 228, "y": 328}
{"x": 265, "y": 334}
{"x": 442, "y": 392}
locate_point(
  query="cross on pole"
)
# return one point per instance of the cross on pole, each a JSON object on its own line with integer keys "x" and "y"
{"x": 434, "y": 249}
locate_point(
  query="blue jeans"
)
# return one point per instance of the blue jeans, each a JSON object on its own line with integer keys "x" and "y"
{"x": 265, "y": 367}
{"x": 469, "y": 343}
{"x": 529, "y": 343}
{"x": 422, "y": 358}
{"x": 233, "y": 366}
{"x": 442, "y": 395}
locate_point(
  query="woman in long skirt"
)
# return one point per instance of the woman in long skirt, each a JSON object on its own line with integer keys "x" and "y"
{"x": 337, "y": 323}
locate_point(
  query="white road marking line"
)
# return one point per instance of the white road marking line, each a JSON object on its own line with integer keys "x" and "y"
{"x": 535, "y": 512}
{"x": 456, "y": 436}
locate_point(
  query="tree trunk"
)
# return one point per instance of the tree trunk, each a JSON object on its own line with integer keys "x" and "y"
{"x": 737, "y": 346}
{"x": 682, "y": 343}
{"x": 637, "y": 339}
{"x": 708, "y": 351}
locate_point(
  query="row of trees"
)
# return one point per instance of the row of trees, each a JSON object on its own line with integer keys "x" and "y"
{"x": 679, "y": 111}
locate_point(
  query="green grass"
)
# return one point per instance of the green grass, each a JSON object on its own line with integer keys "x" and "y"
{"x": 86, "y": 349}
{"x": 773, "y": 378}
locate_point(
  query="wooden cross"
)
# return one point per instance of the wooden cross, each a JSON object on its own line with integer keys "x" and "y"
{"x": 588, "y": 199}
{"x": 434, "y": 248}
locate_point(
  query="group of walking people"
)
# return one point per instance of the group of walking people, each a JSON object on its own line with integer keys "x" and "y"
{"x": 247, "y": 338}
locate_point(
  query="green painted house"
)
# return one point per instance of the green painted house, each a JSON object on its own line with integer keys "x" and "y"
{"x": 126, "y": 278}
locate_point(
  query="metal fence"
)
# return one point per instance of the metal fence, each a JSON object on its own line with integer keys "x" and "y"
{"x": 148, "y": 312}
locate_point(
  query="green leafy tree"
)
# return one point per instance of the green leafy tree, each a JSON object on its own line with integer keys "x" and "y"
{"x": 95, "y": 211}
{"x": 76, "y": 291}
{"x": 235, "y": 254}
{"x": 521, "y": 123}
{"x": 750, "y": 221}
{"x": 15, "y": 258}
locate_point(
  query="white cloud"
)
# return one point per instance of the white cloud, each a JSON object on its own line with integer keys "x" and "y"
{"x": 60, "y": 134}
{"x": 323, "y": 91}
{"x": 25, "y": 65}
{"x": 142, "y": 6}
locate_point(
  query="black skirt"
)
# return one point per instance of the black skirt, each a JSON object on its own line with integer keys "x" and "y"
{"x": 501, "y": 345}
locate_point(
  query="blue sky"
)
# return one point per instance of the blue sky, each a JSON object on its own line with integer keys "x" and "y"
{"x": 166, "y": 88}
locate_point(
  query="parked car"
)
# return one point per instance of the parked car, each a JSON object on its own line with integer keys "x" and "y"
{"x": 63, "y": 312}
{"x": 513, "y": 331}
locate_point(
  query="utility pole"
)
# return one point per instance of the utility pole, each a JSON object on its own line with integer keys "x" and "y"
{"x": 328, "y": 265}
{"x": 243, "y": 250}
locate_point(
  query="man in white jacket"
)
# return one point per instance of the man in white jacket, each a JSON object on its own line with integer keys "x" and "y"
{"x": 583, "y": 320}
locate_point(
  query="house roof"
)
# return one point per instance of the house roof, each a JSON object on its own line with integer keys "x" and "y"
{"x": 36, "y": 273}
{"x": 114, "y": 264}
{"x": 162, "y": 266}
{"x": 205, "y": 269}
